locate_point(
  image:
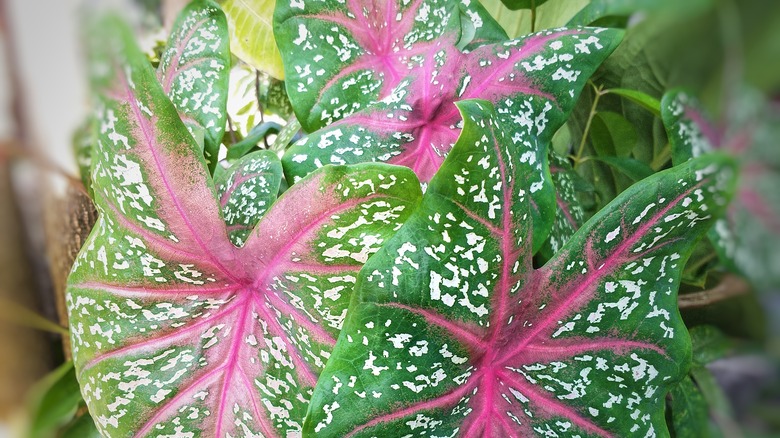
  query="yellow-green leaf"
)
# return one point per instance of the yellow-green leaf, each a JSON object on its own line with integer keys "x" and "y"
{"x": 252, "y": 35}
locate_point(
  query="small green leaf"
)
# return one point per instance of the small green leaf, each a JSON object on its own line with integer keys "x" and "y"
{"x": 630, "y": 167}
{"x": 709, "y": 344}
{"x": 251, "y": 34}
{"x": 252, "y": 140}
{"x": 652, "y": 104}
{"x": 612, "y": 134}
{"x": 54, "y": 401}
{"x": 81, "y": 427}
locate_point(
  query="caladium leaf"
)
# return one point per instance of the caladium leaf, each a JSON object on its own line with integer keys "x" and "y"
{"x": 746, "y": 239}
{"x": 82, "y": 142}
{"x": 533, "y": 81}
{"x": 194, "y": 71}
{"x": 452, "y": 332}
{"x": 341, "y": 56}
{"x": 246, "y": 190}
{"x": 175, "y": 330}
{"x": 569, "y": 214}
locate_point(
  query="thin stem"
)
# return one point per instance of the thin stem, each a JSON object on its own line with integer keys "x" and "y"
{"x": 730, "y": 286}
{"x": 586, "y": 132}
{"x": 533, "y": 16}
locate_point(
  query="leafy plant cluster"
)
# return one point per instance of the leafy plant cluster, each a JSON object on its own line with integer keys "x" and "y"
{"x": 448, "y": 238}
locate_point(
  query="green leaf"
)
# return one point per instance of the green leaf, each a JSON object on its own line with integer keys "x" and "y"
{"x": 177, "y": 331}
{"x": 523, "y": 4}
{"x": 252, "y": 140}
{"x": 709, "y": 344}
{"x": 550, "y": 15}
{"x": 251, "y": 34}
{"x": 689, "y": 409}
{"x": 452, "y": 331}
{"x": 81, "y": 427}
{"x": 194, "y": 71}
{"x": 53, "y": 401}
{"x": 598, "y": 10}
{"x": 650, "y": 103}
{"x": 634, "y": 169}
{"x": 612, "y": 134}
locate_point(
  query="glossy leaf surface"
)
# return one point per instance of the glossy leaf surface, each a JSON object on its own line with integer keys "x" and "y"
{"x": 451, "y": 331}
{"x": 177, "y": 331}
{"x": 746, "y": 240}
{"x": 194, "y": 71}
{"x": 341, "y": 56}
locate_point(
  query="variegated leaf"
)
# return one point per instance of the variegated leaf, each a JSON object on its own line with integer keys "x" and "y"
{"x": 569, "y": 215}
{"x": 534, "y": 83}
{"x": 746, "y": 240}
{"x": 341, "y": 56}
{"x": 175, "y": 330}
{"x": 194, "y": 71}
{"x": 246, "y": 190}
{"x": 451, "y": 331}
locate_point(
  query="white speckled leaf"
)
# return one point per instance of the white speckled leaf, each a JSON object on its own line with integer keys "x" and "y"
{"x": 451, "y": 331}
{"x": 534, "y": 83}
{"x": 569, "y": 215}
{"x": 175, "y": 330}
{"x": 194, "y": 71}
{"x": 747, "y": 238}
{"x": 341, "y": 56}
{"x": 246, "y": 190}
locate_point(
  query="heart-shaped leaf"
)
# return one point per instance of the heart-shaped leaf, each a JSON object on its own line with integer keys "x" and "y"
{"x": 746, "y": 239}
{"x": 452, "y": 332}
{"x": 534, "y": 83}
{"x": 194, "y": 71}
{"x": 341, "y": 56}
{"x": 175, "y": 330}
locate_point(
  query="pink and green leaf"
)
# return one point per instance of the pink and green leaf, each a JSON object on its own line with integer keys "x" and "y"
{"x": 340, "y": 57}
{"x": 745, "y": 239}
{"x": 176, "y": 330}
{"x": 451, "y": 332}
{"x": 570, "y": 214}
{"x": 534, "y": 83}
{"x": 246, "y": 191}
{"x": 194, "y": 71}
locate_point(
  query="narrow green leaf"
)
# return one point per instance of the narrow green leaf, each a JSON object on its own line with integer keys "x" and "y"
{"x": 689, "y": 409}
{"x": 632, "y": 168}
{"x": 650, "y": 103}
{"x": 81, "y": 427}
{"x": 53, "y": 401}
{"x": 252, "y": 140}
